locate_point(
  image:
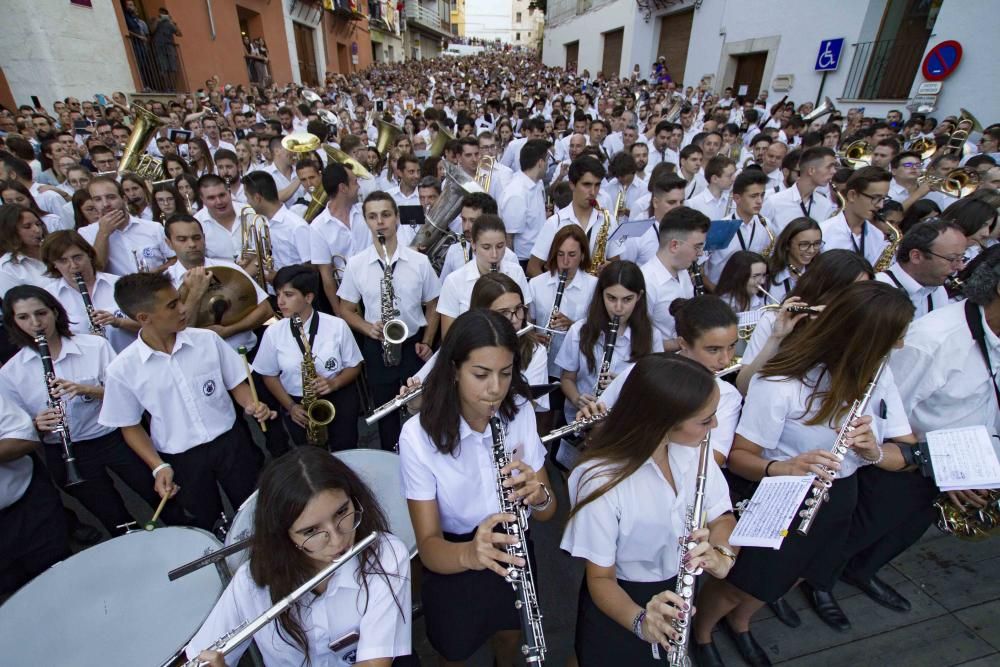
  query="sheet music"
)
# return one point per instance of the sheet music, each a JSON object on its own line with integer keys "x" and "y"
{"x": 765, "y": 521}
{"x": 964, "y": 458}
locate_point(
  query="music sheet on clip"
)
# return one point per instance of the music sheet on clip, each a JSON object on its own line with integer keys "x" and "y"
{"x": 765, "y": 521}
{"x": 964, "y": 458}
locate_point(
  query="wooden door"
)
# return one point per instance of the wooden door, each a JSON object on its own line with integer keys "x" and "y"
{"x": 675, "y": 35}
{"x": 750, "y": 72}
{"x": 305, "y": 50}
{"x": 612, "y": 62}
{"x": 572, "y": 56}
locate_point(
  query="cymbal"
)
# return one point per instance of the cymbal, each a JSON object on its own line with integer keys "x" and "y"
{"x": 228, "y": 299}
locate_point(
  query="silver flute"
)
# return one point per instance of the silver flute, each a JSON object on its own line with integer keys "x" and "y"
{"x": 95, "y": 328}
{"x": 229, "y": 641}
{"x": 574, "y": 427}
{"x": 521, "y": 578}
{"x": 817, "y": 495}
{"x": 677, "y": 653}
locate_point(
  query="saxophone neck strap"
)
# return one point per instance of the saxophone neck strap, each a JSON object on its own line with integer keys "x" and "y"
{"x": 975, "y": 322}
{"x": 313, "y": 328}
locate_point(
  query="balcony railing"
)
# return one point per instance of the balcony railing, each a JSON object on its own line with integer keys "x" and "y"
{"x": 426, "y": 15}
{"x": 160, "y": 67}
{"x": 883, "y": 70}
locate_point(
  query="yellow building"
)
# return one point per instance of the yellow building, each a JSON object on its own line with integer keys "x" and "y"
{"x": 458, "y": 17}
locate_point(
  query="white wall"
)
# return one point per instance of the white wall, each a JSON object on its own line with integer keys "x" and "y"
{"x": 587, "y": 28}
{"x": 55, "y": 49}
{"x": 489, "y": 19}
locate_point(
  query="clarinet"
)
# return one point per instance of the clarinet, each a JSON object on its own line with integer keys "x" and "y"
{"x": 695, "y": 272}
{"x": 560, "y": 290}
{"x": 677, "y": 653}
{"x": 56, "y": 403}
{"x": 609, "y": 351}
{"x": 521, "y": 578}
{"x": 821, "y": 495}
{"x": 95, "y": 328}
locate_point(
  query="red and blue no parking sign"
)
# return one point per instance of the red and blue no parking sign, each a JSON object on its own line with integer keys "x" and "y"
{"x": 942, "y": 60}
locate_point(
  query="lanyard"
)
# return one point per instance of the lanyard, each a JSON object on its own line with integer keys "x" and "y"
{"x": 313, "y": 328}
{"x": 859, "y": 249}
{"x": 694, "y": 185}
{"x": 893, "y": 278}
{"x": 975, "y": 322}
{"x": 753, "y": 231}
{"x": 807, "y": 210}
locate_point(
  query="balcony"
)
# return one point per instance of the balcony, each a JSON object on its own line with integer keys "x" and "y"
{"x": 884, "y": 69}
{"x": 160, "y": 67}
{"x": 349, "y": 10}
{"x": 425, "y": 15}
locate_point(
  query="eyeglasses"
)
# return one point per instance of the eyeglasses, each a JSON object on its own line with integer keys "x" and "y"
{"x": 877, "y": 200}
{"x": 698, "y": 247}
{"x": 804, "y": 246}
{"x": 515, "y": 313}
{"x": 954, "y": 259}
{"x": 345, "y": 526}
{"x": 909, "y": 165}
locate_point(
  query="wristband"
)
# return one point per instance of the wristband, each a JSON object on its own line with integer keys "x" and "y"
{"x": 767, "y": 468}
{"x": 160, "y": 467}
{"x": 637, "y": 624}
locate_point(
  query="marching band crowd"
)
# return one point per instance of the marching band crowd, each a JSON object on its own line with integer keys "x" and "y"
{"x": 506, "y": 248}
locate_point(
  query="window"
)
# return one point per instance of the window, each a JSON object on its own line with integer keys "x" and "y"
{"x": 517, "y": 37}
{"x": 518, "y": 19}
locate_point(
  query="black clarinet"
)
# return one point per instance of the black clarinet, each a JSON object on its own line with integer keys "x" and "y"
{"x": 95, "y": 328}
{"x": 62, "y": 430}
{"x": 610, "y": 336}
{"x": 699, "y": 284}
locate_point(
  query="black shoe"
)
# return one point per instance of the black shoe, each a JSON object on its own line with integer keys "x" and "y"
{"x": 752, "y": 652}
{"x": 880, "y": 592}
{"x": 826, "y": 608}
{"x": 785, "y": 613}
{"x": 706, "y": 655}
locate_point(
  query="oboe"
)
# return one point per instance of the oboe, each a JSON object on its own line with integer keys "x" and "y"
{"x": 677, "y": 654}
{"x": 521, "y": 578}
{"x": 699, "y": 284}
{"x": 229, "y": 641}
{"x": 56, "y": 403}
{"x": 95, "y": 328}
{"x": 557, "y": 302}
{"x": 609, "y": 352}
{"x": 818, "y": 495}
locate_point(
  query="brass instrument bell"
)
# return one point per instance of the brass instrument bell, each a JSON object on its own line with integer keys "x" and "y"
{"x": 300, "y": 142}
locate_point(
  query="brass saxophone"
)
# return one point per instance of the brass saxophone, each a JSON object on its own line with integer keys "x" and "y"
{"x": 888, "y": 256}
{"x": 619, "y": 205}
{"x": 319, "y": 411}
{"x": 95, "y": 328}
{"x": 769, "y": 248}
{"x": 601, "y": 245}
{"x": 677, "y": 653}
{"x": 521, "y": 578}
{"x": 394, "y": 330}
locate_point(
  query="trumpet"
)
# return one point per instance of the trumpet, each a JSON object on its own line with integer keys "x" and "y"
{"x": 255, "y": 244}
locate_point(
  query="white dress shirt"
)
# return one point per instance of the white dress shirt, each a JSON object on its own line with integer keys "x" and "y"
{"x": 783, "y": 207}
{"x": 334, "y": 350}
{"x": 48, "y": 201}
{"x": 139, "y": 238}
{"x": 942, "y": 375}
{"x": 712, "y": 206}
{"x": 83, "y": 359}
{"x": 522, "y": 207}
{"x": 558, "y": 220}
{"x": 574, "y": 305}
{"x": 464, "y": 484}
{"x": 662, "y": 288}
{"x": 775, "y": 415}
{"x": 220, "y": 242}
{"x": 924, "y": 299}
{"x": 329, "y": 236}
{"x": 694, "y": 186}
{"x": 512, "y": 155}
{"x": 103, "y": 298}
{"x": 750, "y": 236}
{"x": 413, "y": 279}
{"x": 185, "y": 392}
{"x": 456, "y": 293}
{"x": 282, "y": 182}
{"x": 371, "y": 611}
{"x": 656, "y": 156}
{"x": 634, "y": 193}
{"x": 837, "y": 234}
{"x": 898, "y": 192}
{"x": 455, "y": 258}
{"x": 618, "y": 529}
{"x": 290, "y": 239}
{"x": 15, "y": 475}
{"x": 21, "y": 270}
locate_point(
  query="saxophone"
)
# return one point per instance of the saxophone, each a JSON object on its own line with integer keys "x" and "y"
{"x": 888, "y": 256}
{"x": 598, "y": 258}
{"x": 319, "y": 411}
{"x": 560, "y": 290}
{"x": 95, "y": 328}
{"x": 56, "y": 403}
{"x": 677, "y": 653}
{"x": 610, "y": 336}
{"x": 769, "y": 248}
{"x": 394, "y": 330}
{"x": 619, "y": 206}
{"x": 817, "y": 495}
{"x": 521, "y": 578}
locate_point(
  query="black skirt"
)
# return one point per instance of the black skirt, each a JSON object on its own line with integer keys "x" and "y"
{"x": 462, "y": 611}
{"x": 767, "y": 574}
{"x": 600, "y": 641}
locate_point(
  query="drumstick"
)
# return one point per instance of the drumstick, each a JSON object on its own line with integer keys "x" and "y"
{"x": 253, "y": 388}
{"x": 156, "y": 515}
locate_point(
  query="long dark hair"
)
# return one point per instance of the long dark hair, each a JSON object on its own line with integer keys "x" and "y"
{"x": 628, "y": 275}
{"x": 735, "y": 276}
{"x": 830, "y": 273}
{"x": 661, "y": 391}
{"x": 20, "y": 293}
{"x": 470, "y": 331}
{"x": 286, "y": 486}
{"x": 849, "y": 339}
{"x": 180, "y": 206}
{"x": 780, "y": 257}
{"x": 10, "y": 237}
{"x": 490, "y": 287}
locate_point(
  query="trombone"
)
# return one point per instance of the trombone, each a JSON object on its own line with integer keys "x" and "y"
{"x": 857, "y": 154}
{"x": 255, "y": 244}
{"x": 958, "y": 183}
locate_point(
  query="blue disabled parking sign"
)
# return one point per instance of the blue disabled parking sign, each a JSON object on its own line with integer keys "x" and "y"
{"x": 828, "y": 57}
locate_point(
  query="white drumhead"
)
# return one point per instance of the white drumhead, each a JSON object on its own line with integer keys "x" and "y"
{"x": 378, "y": 469}
{"x": 113, "y": 604}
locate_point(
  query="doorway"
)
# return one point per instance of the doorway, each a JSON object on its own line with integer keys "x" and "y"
{"x": 675, "y": 36}
{"x": 749, "y": 73}
{"x": 612, "y": 61}
{"x": 572, "y": 56}
{"x": 305, "y": 51}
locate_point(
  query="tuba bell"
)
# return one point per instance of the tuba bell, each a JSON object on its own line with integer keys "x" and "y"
{"x": 387, "y": 134}
{"x": 926, "y": 147}
{"x": 820, "y": 111}
{"x": 134, "y": 156}
{"x": 440, "y": 140}
{"x": 434, "y": 236}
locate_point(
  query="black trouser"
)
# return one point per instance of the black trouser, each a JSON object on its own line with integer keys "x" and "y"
{"x": 274, "y": 439}
{"x": 342, "y": 432}
{"x": 384, "y": 382}
{"x": 230, "y": 460}
{"x": 97, "y": 493}
{"x": 32, "y": 532}
{"x": 894, "y": 510}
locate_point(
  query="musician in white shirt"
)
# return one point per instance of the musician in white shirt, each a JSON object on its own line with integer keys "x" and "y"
{"x": 339, "y": 231}
{"x": 522, "y": 202}
{"x": 864, "y": 194}
{"x": 753, "y": 233}
{"x": 124, "y": 244}
{"x": 287, "y": 232}
{"x": 626, "y": 183}
{"x": 689, "y": 169}
{"x": 927, "y": 255}
{"x": 816, "y": 167}
{"x": 715, "y": 200}
{"x": 220, "y": 220}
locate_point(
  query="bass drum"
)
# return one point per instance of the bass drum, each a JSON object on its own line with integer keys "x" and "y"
{"x": 378, "y": 469}
{"x": 113, "y": 604}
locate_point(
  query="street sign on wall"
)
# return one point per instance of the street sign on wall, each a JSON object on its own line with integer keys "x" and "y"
{"x": 828, "y": 58}
{"x": 942, "y": 60}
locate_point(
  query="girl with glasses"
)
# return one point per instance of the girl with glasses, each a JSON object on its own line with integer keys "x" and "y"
{"x": 796, "y": 247}
{"x": 311, "y": 508}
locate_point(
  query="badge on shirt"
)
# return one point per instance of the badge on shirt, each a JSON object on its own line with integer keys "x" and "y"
{"x": 208, "y": 388}
{"x": 331, "y": 364}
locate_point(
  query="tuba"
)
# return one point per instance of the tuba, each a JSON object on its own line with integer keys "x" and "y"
{"x": 440, "y": 140}
{"x": 134, "y": 157}
{"x": 820, "y": 111}
{"x": 434, "y": 236}
{"x": 387, "y": 134}
{"x": 319, "y": 411}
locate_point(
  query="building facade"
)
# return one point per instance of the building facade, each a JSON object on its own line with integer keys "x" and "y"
{"x": 527, "y": 25}
{"x": 774, "y": 45}
{"x": 428, "y": 28}
{"x": 386, "y": 31}
{"x": 458, "y": 17}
